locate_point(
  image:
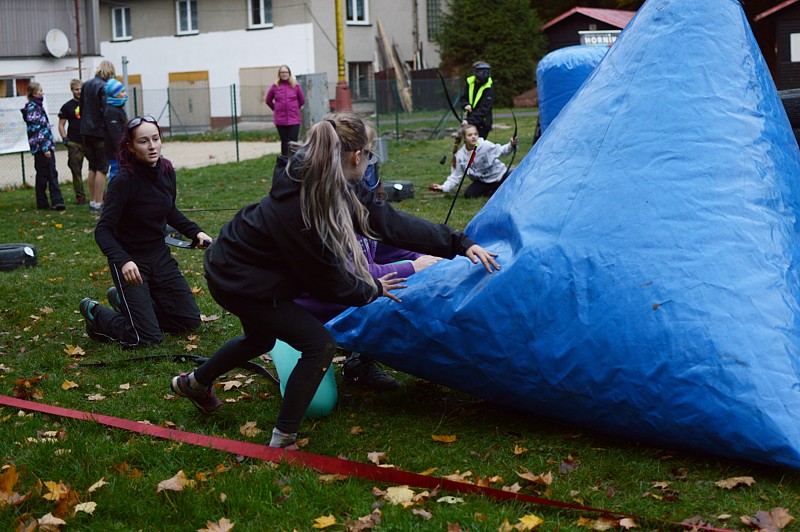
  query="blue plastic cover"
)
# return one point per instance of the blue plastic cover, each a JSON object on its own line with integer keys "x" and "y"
{"x": 649, "y": 245}
{"x": 559, "y": 76}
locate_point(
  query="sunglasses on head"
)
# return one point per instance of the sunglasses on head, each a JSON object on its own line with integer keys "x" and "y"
{"x": 139, "y": 119}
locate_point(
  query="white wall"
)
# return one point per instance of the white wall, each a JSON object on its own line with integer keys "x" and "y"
{"x": 222, "y": 54}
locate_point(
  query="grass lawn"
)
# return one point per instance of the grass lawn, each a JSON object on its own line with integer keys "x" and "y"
{"x": 42, "y": 344}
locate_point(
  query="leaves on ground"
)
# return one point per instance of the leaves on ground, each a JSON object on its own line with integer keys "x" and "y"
{"x": 772, "y": 521}
{"x": 730, "y": 483}
{"x": 324, "y": 521}
{"x": 176, "y": 483}
{"x": 223, "y": 525}
{"x": 444, "y": 438}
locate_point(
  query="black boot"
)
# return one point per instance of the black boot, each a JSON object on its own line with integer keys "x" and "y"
{"x": 364, "y": 370}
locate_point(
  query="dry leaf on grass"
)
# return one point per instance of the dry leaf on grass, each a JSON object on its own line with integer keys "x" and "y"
{"x": 223, "y": 525}
{"x": 772, "y": 521}
{"x": 249, "y": 429}
{"x": 85, "y": 507}
{"x": 176, "y": 483}
{"x": 324, "y": 521}
{"x": 730, "y": 483}
{"x": 444, "y": 438}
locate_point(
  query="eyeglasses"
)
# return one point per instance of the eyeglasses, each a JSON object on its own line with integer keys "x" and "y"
{"x": 139, "y": 119}
{"x": 372, "y": 157}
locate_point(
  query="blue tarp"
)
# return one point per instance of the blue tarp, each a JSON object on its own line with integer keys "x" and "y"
{"x": 560, "y": 74}
{"x": 649, "y": 244}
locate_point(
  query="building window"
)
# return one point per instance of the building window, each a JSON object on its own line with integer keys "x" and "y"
{"x": 434, "y": 12}
{"x": 361, "y": 81}
{"x": 10, "y": 87}
{"x": 121, "y": 24}
{"x": 186, "y": 11}
{"x": 259, "y": 13}
{"x": 357, "y": 11}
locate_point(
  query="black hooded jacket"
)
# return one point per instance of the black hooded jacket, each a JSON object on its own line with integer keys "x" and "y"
{"x": 267, "y": 252}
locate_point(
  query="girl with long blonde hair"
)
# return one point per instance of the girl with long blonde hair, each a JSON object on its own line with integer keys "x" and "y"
{"x": 302, "y": 238}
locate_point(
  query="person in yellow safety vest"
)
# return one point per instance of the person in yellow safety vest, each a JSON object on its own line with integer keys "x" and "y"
{"x": 477, "y": 99}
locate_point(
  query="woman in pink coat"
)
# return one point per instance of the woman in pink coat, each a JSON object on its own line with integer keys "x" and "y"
{"x": 285, "y": 98}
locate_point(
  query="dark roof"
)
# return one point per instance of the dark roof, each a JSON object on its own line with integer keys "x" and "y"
{"x": 775, "y": 9}
{"x": 615, "y": 17}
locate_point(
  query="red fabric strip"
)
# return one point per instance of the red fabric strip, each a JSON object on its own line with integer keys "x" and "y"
{"x": 324, "y": 464}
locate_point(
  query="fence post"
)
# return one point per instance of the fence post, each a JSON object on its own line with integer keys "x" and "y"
{"x": 22, "y": 161}
{"x": 235, "y": 121}
{"x": 377, "y": 105}
{"x": 135, "y": 101}
{"x": 169, "y": 113}
{"x": 396, "y": 112}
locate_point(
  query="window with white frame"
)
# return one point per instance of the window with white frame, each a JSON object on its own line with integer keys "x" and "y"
{"x": 259, "y": 13}
{"x": 186, "y": 12}
{"x": 121, "y": 24}
{"x": 361, "y": 81}
{"x": 357, "y": 11}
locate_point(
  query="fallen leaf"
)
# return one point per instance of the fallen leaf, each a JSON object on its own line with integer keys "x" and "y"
{"x": 324, "y": 521}
{"x": 355, "y": 431}
{"x": 544, "y": 479}
{"x": 772, "y": 521}
{"x": 213, "y": 317}
{"x": 444, "y": 439}
{"x": 97, "y": 485}
{"x": 529, "y": 522}
{"x": 377, "y": 457}
{"x": 223, "y": 525}
{"x": 56, "y": 490}
{"x": 228, "y": 385}
{"x": 74, "y": 351}
{"x": 96, "y": 397}
{"x": 458, "y": 476}
{"x": 50, "y": 522}
{"x": 176, "y": 483}
{"x": 730, "y": 483}
{"x": 85, "y": 507}
{"x": 449, "y": 499}
{"x": 331, "y": 478}
{"x": 249, "y": 429}
{"x": 67, "y": 385}
{"x": 424, "y": 514}
{"x": 627, "y": 523}
{"x": 8, "y": 479}
{"x": 604, "y": 523}
{"x": 399, "y": 494}
{"x": 519, "y": 450}
{"x": 125, "y": 386}
{"x": 568, "y": 465}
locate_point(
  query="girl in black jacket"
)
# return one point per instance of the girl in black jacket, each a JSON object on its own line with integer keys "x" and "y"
{"x": 302, "y": 237}
{"x": 150, "y": 294}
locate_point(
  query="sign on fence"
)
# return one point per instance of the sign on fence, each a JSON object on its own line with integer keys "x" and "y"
{"x": 13, "y": 138}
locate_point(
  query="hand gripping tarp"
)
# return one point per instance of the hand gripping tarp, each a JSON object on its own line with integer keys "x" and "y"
{"x": 649, "y": 245}
{"x": 560, "y": 74}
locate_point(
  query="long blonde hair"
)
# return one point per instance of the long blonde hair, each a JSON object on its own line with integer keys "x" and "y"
{"x": 461, "y": 136}
{"x": 328, "y": 200}
{"x": 292, "y": 80}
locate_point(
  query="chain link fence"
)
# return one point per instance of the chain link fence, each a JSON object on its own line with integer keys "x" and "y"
{"x": 207, "y": 125}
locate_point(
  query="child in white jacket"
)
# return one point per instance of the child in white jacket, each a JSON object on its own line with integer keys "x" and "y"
{"x": 487, "y": 171}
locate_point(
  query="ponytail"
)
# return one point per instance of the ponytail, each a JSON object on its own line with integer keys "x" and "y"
{"x": 327, "y": 201}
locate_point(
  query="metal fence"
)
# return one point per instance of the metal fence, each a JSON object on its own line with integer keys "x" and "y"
{"x": 399, "y": 111}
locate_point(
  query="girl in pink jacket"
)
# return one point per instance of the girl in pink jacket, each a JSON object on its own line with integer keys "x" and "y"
{"x": 285, "y": 98}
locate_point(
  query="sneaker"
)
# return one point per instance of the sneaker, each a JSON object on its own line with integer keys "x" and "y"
{"x": 86, "y": 308}
{"x": 114, "y": 300}
{"x": 363, "y": 370}
{"x": 282, "y": 440}
{"x": 204, "y": 400}
{"x": 59, "y": 207}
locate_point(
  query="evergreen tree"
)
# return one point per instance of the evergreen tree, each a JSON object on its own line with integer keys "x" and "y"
{"x": 504, "y": 33}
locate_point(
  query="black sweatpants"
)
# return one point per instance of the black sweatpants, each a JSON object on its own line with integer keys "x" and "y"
{"x": 163, "y": 302}
{"x": 287, "y": 134}
{"x": 263, "y": 322}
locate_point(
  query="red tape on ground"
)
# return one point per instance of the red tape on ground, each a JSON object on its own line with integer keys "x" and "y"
{"x": 324, "y": 464}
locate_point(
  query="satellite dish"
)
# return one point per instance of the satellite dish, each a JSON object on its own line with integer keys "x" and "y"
{"x": 56, "y": 43}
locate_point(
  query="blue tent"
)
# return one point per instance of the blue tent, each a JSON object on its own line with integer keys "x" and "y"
{"x": 649, "y": 244}
{"x": 560, "y": 74}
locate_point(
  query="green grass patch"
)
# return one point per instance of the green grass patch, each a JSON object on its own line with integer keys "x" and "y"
{"x": 38, "y": 309}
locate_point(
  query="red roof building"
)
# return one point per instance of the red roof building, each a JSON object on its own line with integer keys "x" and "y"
{"x": 563, "y": 30}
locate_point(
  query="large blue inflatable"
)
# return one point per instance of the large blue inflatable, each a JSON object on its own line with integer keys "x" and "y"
{"x": 649, "y": 244}
{"x": 560, "y": 74}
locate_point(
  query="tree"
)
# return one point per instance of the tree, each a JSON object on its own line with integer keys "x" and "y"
{"x": 504, "y": 33}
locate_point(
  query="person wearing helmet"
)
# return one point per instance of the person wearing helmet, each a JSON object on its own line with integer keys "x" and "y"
{"x": 477, "y": 99}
